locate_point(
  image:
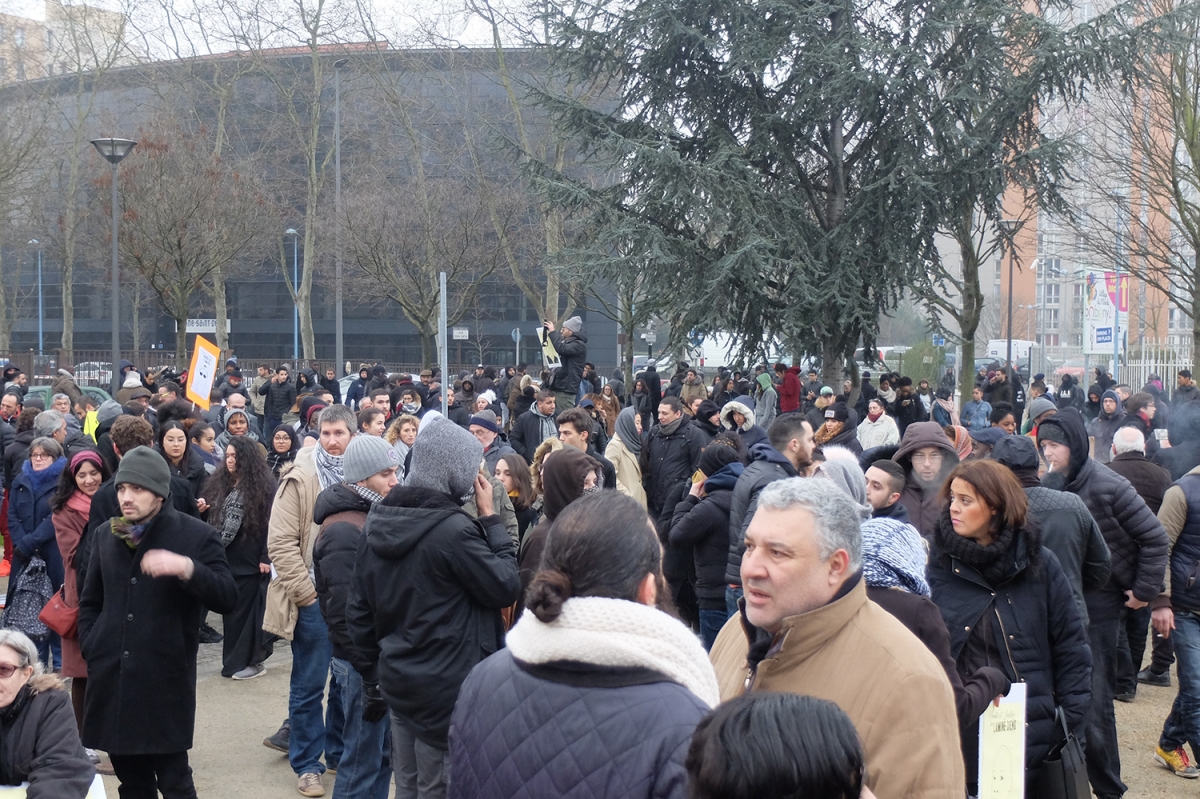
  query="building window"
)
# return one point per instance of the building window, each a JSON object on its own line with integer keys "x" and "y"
{"x": 49, "y": 40}
{"x": 20, "y": 71}
{"x": 3, "y": 32}
{"x": 19, "y": 37}
{"x": 3, "y": 68}
{"x": 1051, "y": 319}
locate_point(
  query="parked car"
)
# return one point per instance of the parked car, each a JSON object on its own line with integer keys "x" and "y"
{"x": 99, "y": 394}
{"x": 94, "y": 373}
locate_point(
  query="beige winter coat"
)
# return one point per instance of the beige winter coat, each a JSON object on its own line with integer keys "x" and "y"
{"x": 629, "y": 473}
{"x": 855, "y": 654}
{"x": 290, "y": 538}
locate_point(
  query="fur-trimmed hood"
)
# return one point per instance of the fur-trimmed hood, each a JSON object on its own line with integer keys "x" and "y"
{"x": 739, "y": 407}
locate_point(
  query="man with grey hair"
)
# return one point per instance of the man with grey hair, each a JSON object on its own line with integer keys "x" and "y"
{"x": 806, "y": 626}
{"x": 50, "y": 424}
{"x": 1151, "y": 482}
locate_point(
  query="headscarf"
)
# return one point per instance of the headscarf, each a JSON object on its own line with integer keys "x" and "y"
{"x": 962, "y": 442}
{"x": 894, "y": 556}
{"x": 627, "y": 431}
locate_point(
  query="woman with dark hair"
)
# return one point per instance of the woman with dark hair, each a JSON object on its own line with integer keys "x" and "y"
{"x": 237, "y": 425}
{"x": 607, "y": 401}
{"x": 283, "y": 449}
{"x": 239, "y": 497}
{"x": 513, "y": 472}
{"x": 204, "y": 439}
{"x": 642, "y": 403}
{"x": 32, "y": 528}
{"x": 781, "y": 745}
{"x": 726, "y": 393}
{"x": 700, "y": 529}
{"x": 1008, "y": 605}
{"x": 566, "y": 476}
{"x": 70, "y": 507}
{"x": 595, "y": 645}
{"x": 1003, "y": 417}
{"x": 176, "y": 449}
{"x": 944, "y": 411}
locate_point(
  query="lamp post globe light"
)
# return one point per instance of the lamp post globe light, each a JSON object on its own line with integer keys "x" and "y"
{"x": 114, "y": 151}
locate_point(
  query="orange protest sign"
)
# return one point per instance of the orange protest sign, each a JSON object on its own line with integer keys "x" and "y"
{"x": 203, "y": 371}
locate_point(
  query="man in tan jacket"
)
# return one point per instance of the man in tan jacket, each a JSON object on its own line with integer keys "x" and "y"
{"x": 292, "y": 612}
{"x": 807, "y": 627}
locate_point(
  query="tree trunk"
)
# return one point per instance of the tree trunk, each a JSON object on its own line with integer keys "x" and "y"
{"x": 67, "y": 269}
{"x": 429, "y": 351}
{"x": 136, "y": 317}
{"x": 968, "y": 317}
{"x": 1195, "y": 326}
{"x": 831, "y": 367}
{"x": 6, "y": 319}
{"x": 181, "y": 358}
{"x": 308, "y": 343}
{"x": 222, "y": 313}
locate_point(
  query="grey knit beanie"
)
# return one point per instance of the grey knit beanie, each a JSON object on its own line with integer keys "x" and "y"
{"x": 366, "y": 456}
{"x": 574, "y": 324}
{"x": 445, "y": 458}
{"x": 144, "y": 467}
{"x": 108, "y": 410}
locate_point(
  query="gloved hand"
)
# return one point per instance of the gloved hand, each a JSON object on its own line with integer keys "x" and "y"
{"x": 374, "y": 708}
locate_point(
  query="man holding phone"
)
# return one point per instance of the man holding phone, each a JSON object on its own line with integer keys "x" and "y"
{"x": 571, "y": 345}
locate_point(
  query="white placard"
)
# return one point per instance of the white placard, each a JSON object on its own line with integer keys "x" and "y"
{"x": 1002, "y": 747}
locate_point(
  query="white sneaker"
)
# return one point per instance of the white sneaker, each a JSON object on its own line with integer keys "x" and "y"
{"x": 250, "y": 672}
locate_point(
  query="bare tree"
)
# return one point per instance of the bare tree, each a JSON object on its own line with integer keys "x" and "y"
{"x": 1139, "y": 192}
{"x": 401, "y": 247}
{"x": 186, "y": 214}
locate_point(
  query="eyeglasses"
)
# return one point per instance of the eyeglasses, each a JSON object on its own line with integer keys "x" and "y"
{"x": 40, "y": 456}
{"x": 7, "y": 670}
{"x": 921, "y": 457}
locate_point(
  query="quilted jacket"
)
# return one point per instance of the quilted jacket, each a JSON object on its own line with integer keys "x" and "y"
{"x": 570, "y": 730}
{"x": 1137, "y": 542}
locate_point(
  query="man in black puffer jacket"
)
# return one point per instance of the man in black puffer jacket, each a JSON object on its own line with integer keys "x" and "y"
{"x": 369, "y": 471}
{"x": 1067, "y": 527}
{"x": 429, "y": 583}
{"x": 670, "y": 452}
{"x": 281, "y": 396}
{"x": 1138, "y": 545}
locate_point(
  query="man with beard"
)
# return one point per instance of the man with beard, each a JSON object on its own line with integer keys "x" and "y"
{"x": 927, "y": 456}
{"x": 155, "y": 573}
{"x": 788, "y": 451}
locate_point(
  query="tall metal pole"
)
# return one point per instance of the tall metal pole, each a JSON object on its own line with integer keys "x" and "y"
{"x": 41, "y": 313}
{"x": 116, "y": 285}
{"x": 296, "y": 304}
{"x": 339, "y": 352}
{"x": 444, "y": 344}
{"x": 1116, "y": 328}
{"x": 1012, "y": 246}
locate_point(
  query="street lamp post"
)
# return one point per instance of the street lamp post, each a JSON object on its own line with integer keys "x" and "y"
{"x": 338, "y": 351}
{"x": 1009, "y": 228}
{"x": 41, "y": 311}
{"x": 114, "y": 151}
{"x": 295, "y": 297}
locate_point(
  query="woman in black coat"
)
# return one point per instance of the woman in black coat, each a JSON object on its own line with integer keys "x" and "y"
{"x": 1007, "y": 604}
{"x": 576, "y": 705}
{"x": 182, "y": 460}
{"x": 240, "y": 495}
{"x": 38, "y": 740}
{"x": 701, "y": 524}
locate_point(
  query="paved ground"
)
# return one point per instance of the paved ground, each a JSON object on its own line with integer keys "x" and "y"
{"x": 232, "y": 718}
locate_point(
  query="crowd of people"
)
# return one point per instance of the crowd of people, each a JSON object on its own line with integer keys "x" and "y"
{"x": 563, "y": 584}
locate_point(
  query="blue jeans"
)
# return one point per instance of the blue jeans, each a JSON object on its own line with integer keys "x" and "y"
{"x": 311, "y": 734}
{"x": 711, "y": 622}
{"x": 50, "y": 651}
{"x": 365, "y": 768}
{"x": 732, "y": 596}
{"x": 1183, "y": 725}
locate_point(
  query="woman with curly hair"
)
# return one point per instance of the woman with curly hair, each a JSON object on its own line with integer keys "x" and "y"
{"x": 239, "y": 495}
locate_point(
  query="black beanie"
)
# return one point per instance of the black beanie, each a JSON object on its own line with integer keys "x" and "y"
{"x": 144, "y": 467}
{"x": 1052, "y": 432}
{"x": 714, "y": 457}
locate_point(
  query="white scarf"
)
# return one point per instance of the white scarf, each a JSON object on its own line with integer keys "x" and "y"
{"x": 616, "y": 632}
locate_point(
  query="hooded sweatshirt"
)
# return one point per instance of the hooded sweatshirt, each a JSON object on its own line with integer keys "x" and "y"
{"x": 1136, "y": 540}
{"x": 1105, "y": 425}
{"x": 922, "y": 503}
{"x": 428, "y": 588}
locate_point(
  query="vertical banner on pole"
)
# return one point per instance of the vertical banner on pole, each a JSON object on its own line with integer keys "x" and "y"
{"x": 203, "y": 371}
